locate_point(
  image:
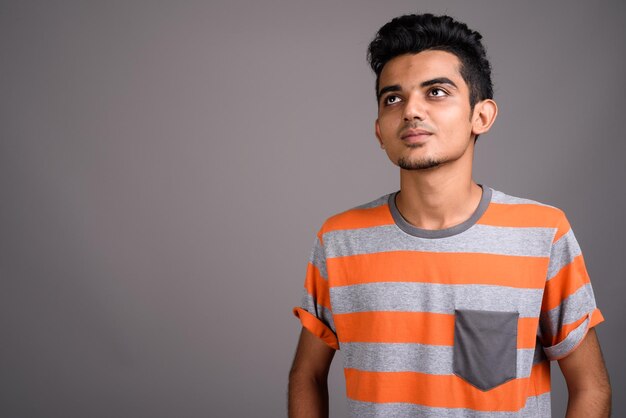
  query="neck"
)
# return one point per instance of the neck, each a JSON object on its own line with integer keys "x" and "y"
{"x": 435, "y": 199}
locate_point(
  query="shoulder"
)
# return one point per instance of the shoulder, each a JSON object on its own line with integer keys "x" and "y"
{"x": 532, "y": 211}
{"x": 500, "y": 197}
{"x": 372, "y": 213}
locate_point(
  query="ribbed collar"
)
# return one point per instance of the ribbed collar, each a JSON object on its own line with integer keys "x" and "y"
{"x": 440, "y": 233}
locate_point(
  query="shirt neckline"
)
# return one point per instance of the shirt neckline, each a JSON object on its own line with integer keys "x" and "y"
{"x": 404, "y": 225}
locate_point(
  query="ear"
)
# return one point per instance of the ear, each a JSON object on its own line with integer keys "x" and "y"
{"x": 484, "y": 116}
{"x": 377, "y": 131}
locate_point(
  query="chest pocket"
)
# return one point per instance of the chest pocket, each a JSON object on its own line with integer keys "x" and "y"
{"x": 485, "y": 347}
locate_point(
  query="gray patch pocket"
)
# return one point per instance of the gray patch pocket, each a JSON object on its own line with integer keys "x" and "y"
{"x": 485, "y": 347}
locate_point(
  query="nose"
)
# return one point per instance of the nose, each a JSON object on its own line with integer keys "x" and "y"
{"x": 414, "y": 108}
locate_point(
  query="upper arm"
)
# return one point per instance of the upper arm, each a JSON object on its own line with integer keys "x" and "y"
{"x": 584, "y": 368}
{"x": 313, "y": 356}
{"x": 568, "y": 308}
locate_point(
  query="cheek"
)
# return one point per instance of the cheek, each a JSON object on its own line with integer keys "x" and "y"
{"x": 452, "y": 112}
{"x": 388, "y": 123}
{"x": 455, "y": 121}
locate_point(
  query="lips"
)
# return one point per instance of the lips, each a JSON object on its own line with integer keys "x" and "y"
{"x": 415, "y": 134}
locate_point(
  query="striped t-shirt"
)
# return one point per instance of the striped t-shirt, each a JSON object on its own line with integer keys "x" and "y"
{"x": 456, "y": 322}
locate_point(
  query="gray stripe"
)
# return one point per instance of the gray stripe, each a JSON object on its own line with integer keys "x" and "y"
{"x": 536, "y": 407}
{"x": 318, "y": 259}
{"x": 500, "y": 197}
{"x": 421, "y": 358}
{"x": 571, "y": 309}
{"x": 382, "y": 200}
{"x": 310, "y": 305}
{"x": 533, "y": 242}
{"x": 410, "y": 229}
{"x": 563, "y": 252}
{"x": 573, "y": 338}
{"x": 434, "y": 297}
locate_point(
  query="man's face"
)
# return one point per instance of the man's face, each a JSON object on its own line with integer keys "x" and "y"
{"x": 424, "y": 117}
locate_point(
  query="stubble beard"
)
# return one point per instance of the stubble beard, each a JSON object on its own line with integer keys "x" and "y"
{"x": 419, "y": 164}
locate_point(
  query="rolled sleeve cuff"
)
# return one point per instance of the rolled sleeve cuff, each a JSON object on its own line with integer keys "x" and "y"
{"x": 317, "y": 327}
{"x": 575, "y": 337}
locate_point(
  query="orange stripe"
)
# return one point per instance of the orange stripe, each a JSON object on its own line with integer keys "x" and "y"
{"x": 445, "y": 268}
{"x": 563, "y": 228}
{"x": 318, "y": 329}
{"x": 414, "y": 327}
{"x": 540, "y": 378}
{"x": 401, "y": 327}
{"x": 359, "y": 218}
{"x": 566, "y": 282}
{"x": 521, "y": 215}
{"x": 527, "y": 332}
{"x": 596, "y": 318}
{"x": 445, "y": 391}
{"x": 317, "y": 286}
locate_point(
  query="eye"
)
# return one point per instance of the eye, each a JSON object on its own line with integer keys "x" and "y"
{"x": 437, "y": 92}
{"x": 391, "y": 99}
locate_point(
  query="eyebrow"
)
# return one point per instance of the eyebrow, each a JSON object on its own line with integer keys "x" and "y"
{"x": 438, "y": 80}
{"x": 387, "y": 89}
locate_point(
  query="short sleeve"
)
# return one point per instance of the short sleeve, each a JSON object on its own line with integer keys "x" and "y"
{"x": 315, "y": 310}
{"x": 568, "y": 308}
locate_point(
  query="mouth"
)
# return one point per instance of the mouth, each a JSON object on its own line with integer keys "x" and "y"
{"x": 415, "y": 135}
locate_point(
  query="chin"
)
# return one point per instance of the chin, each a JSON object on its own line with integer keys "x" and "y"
{"x": 421, "y": 164}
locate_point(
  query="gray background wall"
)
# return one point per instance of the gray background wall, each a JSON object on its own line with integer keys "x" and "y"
{"x": 164, "y": 167}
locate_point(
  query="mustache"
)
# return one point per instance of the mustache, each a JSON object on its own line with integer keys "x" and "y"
{"x": 416, "y": 125}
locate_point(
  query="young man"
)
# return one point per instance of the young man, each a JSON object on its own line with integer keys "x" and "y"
{"x": 448, "y": 298}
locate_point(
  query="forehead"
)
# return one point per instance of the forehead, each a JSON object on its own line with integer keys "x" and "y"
{"x": 408, "y": 69}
